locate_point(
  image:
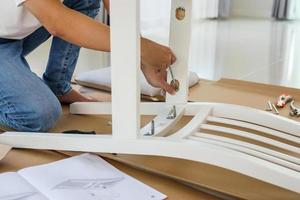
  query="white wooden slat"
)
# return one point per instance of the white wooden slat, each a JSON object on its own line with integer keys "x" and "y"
{"x": 261, "y": 149}
{"x": 125, "y": 61}
{"x": 251, "y": 152}
{"x": 104, "y": 108}
{"x": 162, "y": 124}
{"x": 194, "y": 124}
{"x": 185, "y": 149}
{"x": 251, "y": 136}
{"x": 259, "y": 117}
{"x": 180, "y": 34}
{"x": 146, "y": 108}
{"x": 254, "y": 127}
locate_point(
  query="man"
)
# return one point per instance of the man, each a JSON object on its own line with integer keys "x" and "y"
{"x": 29, "y": 103}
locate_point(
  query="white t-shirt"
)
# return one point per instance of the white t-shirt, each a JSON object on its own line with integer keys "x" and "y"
{"x": 15, "y": 21}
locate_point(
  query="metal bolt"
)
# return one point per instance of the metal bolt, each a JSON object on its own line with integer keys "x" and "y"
{"x": 275, "y": 109}
{"x": 270, "y": 107}
{"x": 180, "y": 13}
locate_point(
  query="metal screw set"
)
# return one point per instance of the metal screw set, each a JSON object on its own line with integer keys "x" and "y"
{"x": 282, "y": 101}
{"x": 271, "y": 107}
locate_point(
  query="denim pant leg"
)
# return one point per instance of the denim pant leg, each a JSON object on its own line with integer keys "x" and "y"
{"x": 64, "y": 55}
{"x": 26, "y": 102}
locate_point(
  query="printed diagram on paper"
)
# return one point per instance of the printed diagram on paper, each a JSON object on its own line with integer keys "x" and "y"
{"x": 81, "y": 177}
{"x": 20, "y": 196}
{"x": 96, "y": 188}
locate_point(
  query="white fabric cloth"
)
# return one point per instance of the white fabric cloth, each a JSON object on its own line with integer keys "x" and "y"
{"x": 101, "y": 79}
{"x": 15, "y": 21}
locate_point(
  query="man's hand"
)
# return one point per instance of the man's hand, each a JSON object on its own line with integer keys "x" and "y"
{"x": 156, "y": 59}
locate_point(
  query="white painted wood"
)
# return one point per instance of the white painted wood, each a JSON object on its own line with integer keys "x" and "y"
{"x": 91, "y": 108}
{"x": 194, "y": 125}
{"x": 185, "y": 149}
{"x": 125, "y": 61}
{"x": 249, "y": 115}
{"x": 180, "y": 34}
{"x": 163, "y": 125}
{"x": 249, "y": 135}
{"x": 255, "y": 147}
{"x": 259, "y": 117}
{"x": 250, "y": 152}
{"x": 254, "y": 127}
{"x": 235, "y": 112}
{"x": 104, "y": 108}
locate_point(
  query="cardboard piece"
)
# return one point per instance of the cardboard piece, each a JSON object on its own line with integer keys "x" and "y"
{"x": 198, "y": 175}
{"x": 243, "y": 93}
{"x": 18, "y": 159}
{"x": 4, "y": 149}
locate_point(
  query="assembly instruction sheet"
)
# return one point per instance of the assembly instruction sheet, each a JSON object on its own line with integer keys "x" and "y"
{"x": 87, "y": 177}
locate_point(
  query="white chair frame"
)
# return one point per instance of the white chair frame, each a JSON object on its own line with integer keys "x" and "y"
{"x": 190, "y": 142}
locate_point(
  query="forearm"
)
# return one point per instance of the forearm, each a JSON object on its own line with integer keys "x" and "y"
{"x": 70, "y": 25}
{"x": 85, "y": 32}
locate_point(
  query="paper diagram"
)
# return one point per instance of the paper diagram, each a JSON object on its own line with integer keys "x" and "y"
{"x": 96, "y": 189}
{"x": 21, "y": 196}
{"x": 91, "y": 184}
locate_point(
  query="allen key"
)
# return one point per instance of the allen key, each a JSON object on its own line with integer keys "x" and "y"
{"x": 171, "y": 72}
{"x": 174, "y": 82}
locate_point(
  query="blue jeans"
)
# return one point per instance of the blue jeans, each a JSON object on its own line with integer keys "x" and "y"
{"x": 27, "y": 102}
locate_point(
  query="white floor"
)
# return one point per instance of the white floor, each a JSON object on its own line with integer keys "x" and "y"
{"x": 256, "y": 50}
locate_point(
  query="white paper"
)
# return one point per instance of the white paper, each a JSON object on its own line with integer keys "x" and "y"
{"x": 87, "y": 177}
{"x": 14, "y": 187}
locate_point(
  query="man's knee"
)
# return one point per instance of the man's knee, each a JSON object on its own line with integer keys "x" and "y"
{"x": 46, "y": 115}
{"x": 35, "y": 117}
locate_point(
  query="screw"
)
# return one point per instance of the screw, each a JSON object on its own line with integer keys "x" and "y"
{"x": 275, "y": 109}
{"x": 270, "y": 107}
